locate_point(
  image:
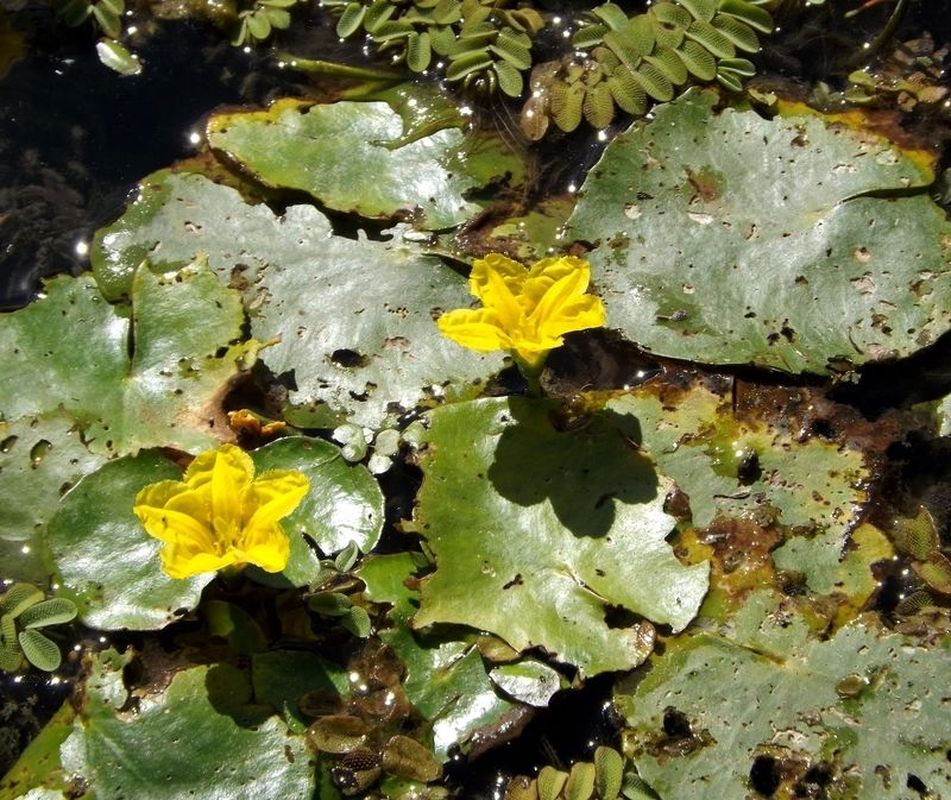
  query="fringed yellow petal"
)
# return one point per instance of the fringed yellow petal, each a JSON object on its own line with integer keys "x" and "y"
{"x": 268, "y": 548}
{"x": 158, "y": 494}
{"x": 497, "y": 266}
{"x": 477, "y": 330}
{"x": 546, "y": 273}
{"x": 275, "y": 495}
{"x": 177, "y": 565}
{"x": 172, "y": 526}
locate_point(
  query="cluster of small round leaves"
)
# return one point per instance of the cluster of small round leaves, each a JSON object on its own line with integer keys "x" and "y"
{"x": 257, "y": 22}
{"x": 22, "y": 612}
{"x": 105, "y": 14}
{"x": 603, "y": 778}
{"x": 480, "y": 45}
{"x": 631, "y": 62}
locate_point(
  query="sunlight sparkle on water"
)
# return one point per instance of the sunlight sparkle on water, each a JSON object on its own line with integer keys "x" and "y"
{"x": 81, "y": 248}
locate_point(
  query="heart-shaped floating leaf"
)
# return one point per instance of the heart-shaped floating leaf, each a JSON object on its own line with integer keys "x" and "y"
{"x": 214, "y": 743}
{"x": 354, "y": 318}
{"x": 106, "y": 561}
{"x": 40, "y": 459}
{"x": 556, "y": 527}
{"x": 165, "y": 393}
{"x": 798, "y": 243}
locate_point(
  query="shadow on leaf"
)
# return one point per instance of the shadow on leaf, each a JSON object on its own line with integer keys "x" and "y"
{"x": 581, "y": 472}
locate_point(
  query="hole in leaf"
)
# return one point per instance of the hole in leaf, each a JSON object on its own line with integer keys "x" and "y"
{"x": 348, "y": 358}
{"x": 676, "y": 724}
{"x": 764, "y": 775}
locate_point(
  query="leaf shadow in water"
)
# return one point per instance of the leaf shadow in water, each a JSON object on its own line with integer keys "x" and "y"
{"x": 582, "y": 470}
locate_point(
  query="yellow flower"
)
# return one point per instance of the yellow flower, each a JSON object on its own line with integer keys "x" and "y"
{"x": 220, "y": 515}
{"x": 525, "y": 310}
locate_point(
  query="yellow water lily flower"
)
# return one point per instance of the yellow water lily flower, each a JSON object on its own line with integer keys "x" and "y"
{"x": 220, "y": 515}
{"x": 524, "y": 310}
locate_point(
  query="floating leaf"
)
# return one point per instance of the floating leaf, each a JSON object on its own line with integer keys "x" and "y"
{"x": 378, "y": 351}
{"x": 741, "y": 703}
{"x": 731, "y": 468}
{"x": 446, "y": 680}
{"x": 361, "y": 158}
{"x": 345, "y": 504}
{"x": 40, "y": 651}
{"x": 698, "y": 60}
{"x": 54, "y": 611}
{"x": 510, "y": 79}
{"x": 528, "y": 681}
{"x": 580, "y": 783}
{"x": 30, "y": 489}
{"x": 213, "y": 743}
{"x": 741, "y": 34}
{"x": 598, "y": 106}
{"x": 113, "y": 55}
{"x": 753, "y": 15}
{"x": 555, "y": 526}
{"x": 809, "y": 275}
{"x": 18, "y": 598}
{"x": 711, "y": 38}
{"x": 418, "y": 51}
{"x": 407, "y": 758}
{"x": 164, "y": 394}
{"x": 351, "y": 19}
{"x": 106, "y": 561}
{"x": 653, "y": 81}
{"x": 609, "y": 771}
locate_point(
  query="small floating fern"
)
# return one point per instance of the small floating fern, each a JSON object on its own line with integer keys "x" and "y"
{"x": 482, "y": 45}
{"x": 630, "y": 62}
{"x": 22, "y": 612}
{"x": 607, "y": 777}
{"x": 618, "y": 61}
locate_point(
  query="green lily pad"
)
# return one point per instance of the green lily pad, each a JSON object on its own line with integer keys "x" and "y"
{"x": 344, "y": 506}
{"x": 351, "y": 321}
{"x": 808, "y": 703}
{"x": 281, "y": 677}
{"x": 358, "y": 157}
{"x": 195, "y": 738}
{"x": 556, "y": 528}
{"x": 165, "y": 393}
{"x": 736, "y": 468}
{"x": 41, "y": 457}
{"x": 106, "y": 562}
{"x": 727, "y": 238}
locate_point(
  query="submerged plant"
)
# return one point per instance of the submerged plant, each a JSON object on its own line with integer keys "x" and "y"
{"x": 22, "y": 612}
{"x": 524, "y": 310}
{"x": 221, "y": 515}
